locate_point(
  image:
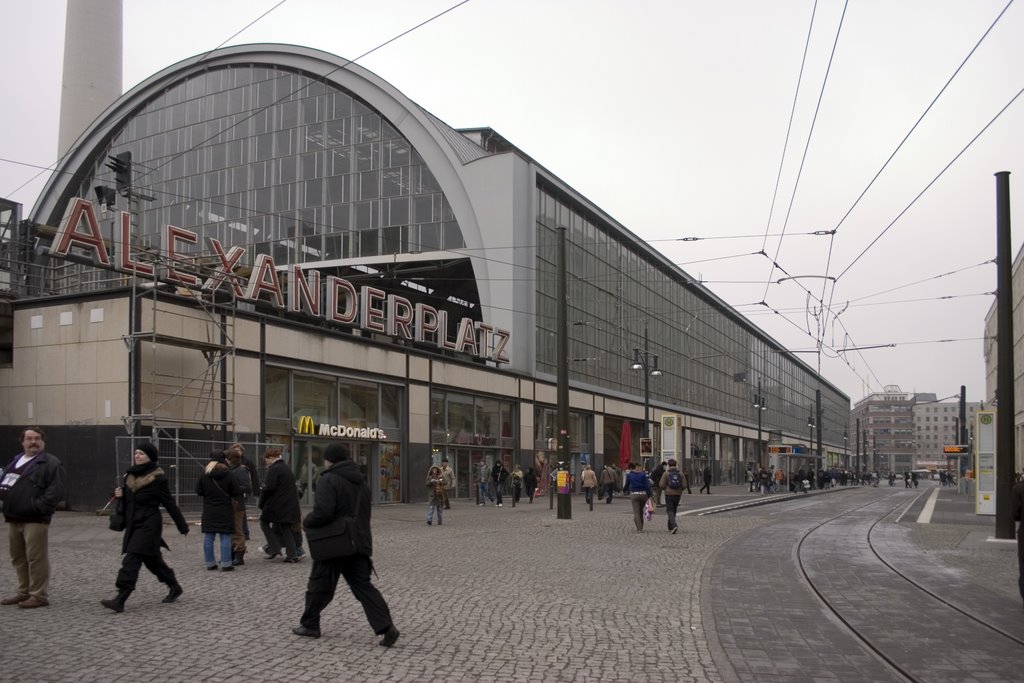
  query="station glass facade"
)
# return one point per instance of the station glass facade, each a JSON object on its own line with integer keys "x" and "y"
{"x": 711, "y": 359}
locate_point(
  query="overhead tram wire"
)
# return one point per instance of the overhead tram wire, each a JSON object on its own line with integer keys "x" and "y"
{"x": 931, "y": 182}
{"x": 789, "y": 129}
{"x": 807, "y": 144}
{"x": 53, "y": 167}
{"x": 286, "y": 96}
{"x": 911, "y": 131}
{"x": 262, "y": 109}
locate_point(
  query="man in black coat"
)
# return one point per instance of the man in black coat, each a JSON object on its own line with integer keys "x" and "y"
{"x": 707, "y": 479}
{"x": 279, "y": 505}
{"x": 31, "y": 487}
{"x": 341, "y": 492}
{"x": 1017, "y": 513}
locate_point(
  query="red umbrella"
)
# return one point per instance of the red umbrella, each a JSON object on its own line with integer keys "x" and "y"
{"x": 625, "y": 445}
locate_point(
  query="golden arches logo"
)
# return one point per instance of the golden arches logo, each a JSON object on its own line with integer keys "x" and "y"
{"x": 306, "y": 425}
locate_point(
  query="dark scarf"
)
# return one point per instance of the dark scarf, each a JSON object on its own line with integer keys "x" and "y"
{"x": 139, "y": 476}
{"x": 141, "y": 470}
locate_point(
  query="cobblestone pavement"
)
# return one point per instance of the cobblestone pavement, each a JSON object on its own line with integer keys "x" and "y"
{"x": 502, "y": 594}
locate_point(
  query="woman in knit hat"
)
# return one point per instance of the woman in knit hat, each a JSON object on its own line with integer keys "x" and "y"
{"x": 145, "y": 490}
{"x": 220, "y": 494}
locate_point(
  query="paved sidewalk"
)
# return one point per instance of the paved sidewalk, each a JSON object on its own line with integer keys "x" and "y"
{"x": 503, "y": 594}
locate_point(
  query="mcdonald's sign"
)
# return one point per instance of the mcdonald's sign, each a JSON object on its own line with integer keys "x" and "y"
{"x": 306, "y": 425}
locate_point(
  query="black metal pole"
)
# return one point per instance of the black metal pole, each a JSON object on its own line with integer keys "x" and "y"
{"x": 1004, "y": 364}
{"x": 646, "y": 362}
{"x": 961, "y": 434}
{"x": 564, "y": 498}
{"x": 858, "y": 463}
{"x": 817, "y": 422}
{"x": 759, "y": 404}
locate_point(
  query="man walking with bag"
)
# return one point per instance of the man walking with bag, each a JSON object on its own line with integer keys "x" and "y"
{"x": 340, "y": 543}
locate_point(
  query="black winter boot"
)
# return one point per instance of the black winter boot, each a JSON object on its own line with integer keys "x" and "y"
{"x": 116, "y": 603}
{"x": 238, "y": 558}
{"x": 174, "y": 593}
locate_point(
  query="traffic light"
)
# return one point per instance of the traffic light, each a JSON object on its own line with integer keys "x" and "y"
{"x": 121, "y": 165}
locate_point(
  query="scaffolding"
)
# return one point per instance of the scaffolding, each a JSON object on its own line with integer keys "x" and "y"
{"x": 181, "y": 348}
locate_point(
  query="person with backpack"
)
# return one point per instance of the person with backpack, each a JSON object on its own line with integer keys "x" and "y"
{"x": 672, "y": 484}
{"x": 656, "y": 475}
{"x": 608, "y": 479}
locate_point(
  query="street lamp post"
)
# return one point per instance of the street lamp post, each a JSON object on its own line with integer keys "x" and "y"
{"x": 648, "y": 364}
{"x": 810, "y": 439}
{"x": 760, "y": 407}
{"x": 846, "y": 456}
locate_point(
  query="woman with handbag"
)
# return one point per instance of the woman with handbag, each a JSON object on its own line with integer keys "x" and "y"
{"x": 221, "y": 495}
{"x": 145, "y": 489}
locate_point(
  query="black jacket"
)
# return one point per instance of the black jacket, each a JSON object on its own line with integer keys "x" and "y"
{"x": 218, "y": 487}
{"x": 279, "y": 500}
{"x": 530, "y": 478}
{"x": 341, "y": 491}
{"x": 145, "y": 490}
{"x": 34, "y": 497}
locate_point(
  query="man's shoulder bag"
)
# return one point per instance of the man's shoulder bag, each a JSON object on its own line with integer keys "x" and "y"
{"x": 335, "y": 539}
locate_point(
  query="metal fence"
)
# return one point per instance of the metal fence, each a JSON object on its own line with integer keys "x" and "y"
{"x": 183, "y": 460}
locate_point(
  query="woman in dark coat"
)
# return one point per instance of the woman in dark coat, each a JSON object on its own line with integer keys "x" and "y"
{"x": 220, "y": 493}
{"x": 530, "y": 482}
{"x": 145, "y": 490}
{"x": 279, "y": 505}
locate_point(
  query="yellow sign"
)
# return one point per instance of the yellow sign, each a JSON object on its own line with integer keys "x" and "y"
{"x": 306, "y": 425}
{"x": 563, "y": 479}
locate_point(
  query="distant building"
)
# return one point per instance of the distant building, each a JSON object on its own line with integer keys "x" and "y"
{"x": 991, "y": 351}
{"x": 935, "y": 425}
{"x": 886, "y": 440}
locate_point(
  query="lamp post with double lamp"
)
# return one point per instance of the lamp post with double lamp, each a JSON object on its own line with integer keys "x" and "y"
{"x": 846, "y": 457}
{"x": 810, "y": 440}
{"x": 648, "y": 364}
{"x": 760, "y": 407}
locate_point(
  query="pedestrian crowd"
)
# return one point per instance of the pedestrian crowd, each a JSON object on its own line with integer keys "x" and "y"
{"x": 337, "y": 529}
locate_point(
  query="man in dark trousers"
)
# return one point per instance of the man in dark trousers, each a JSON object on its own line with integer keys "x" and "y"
{"x": 341, "y": 491}
{"x": 707, "y": 479}
{"x": 279, "y": 506}
{"x": 1017, "y": 512}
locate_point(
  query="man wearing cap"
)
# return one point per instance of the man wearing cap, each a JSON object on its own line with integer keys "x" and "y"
{"x": 279, "y": 506}
{"x": 31, "y": 487}
{"x": 341, "y": 492}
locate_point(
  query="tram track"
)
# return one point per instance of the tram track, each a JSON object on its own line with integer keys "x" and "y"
{"x": 809, "y": 552}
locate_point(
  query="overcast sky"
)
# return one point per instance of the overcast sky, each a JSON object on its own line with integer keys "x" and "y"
{"x": 673, "y": 116}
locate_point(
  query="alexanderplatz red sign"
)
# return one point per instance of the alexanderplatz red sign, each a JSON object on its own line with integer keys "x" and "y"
{"x": 336, "y": 300}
